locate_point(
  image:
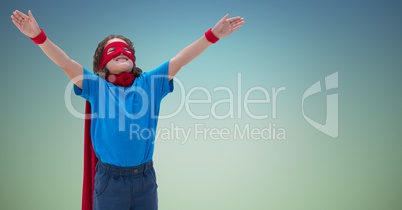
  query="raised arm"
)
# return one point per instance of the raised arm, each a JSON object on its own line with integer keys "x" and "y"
{"x": 223, "y": 28}
{"x": 29, "y": 27}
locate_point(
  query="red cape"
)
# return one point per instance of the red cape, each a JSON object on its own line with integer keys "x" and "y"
{"x": 90, "y": 161}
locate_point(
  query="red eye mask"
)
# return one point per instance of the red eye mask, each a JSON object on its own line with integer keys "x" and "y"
{"x": 119, "y": 48}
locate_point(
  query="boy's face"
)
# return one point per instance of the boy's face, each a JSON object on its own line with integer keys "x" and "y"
{"x": 120, "y": 63}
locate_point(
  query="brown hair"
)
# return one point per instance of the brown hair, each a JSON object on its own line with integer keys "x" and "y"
{"x": 98, "y": 56}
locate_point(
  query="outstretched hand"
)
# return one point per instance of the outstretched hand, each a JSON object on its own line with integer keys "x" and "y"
{"x": 226, "y": 26}
{"x": 26, "y": 23}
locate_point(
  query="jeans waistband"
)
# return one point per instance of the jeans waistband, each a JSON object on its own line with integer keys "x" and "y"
{"x": 124, "y": 171}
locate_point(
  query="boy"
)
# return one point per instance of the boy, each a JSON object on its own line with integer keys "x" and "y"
{"x": 121, "y": 95}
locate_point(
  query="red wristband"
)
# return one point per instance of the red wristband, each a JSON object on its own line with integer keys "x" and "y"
{"x": 40, "y": 38}
{"x": 211, "y": 36}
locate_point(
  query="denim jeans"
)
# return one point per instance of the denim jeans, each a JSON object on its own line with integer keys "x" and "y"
{"x": 125, "y": 188}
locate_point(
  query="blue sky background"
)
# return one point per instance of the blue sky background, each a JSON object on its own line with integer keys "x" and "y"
{"x": 288, "y": 43}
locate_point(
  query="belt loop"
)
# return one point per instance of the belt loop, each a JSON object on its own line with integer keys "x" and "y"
{"x": 97, "y": 166}
{"x": 146, "y": 167}
{"x": 108, "y": 169}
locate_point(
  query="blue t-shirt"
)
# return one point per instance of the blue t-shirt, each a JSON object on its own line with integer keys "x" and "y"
{"x": 124, "y": 119}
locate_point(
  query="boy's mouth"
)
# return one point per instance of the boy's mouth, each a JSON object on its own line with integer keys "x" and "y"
{"x": 121, "y": 57}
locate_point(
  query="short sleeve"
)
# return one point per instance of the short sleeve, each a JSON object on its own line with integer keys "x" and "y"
{"x": 90, "y": 83}
{"x": 158, "y": 80}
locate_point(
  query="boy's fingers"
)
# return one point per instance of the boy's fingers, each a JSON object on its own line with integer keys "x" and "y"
{"x": 237, "y": 27}
{"x": 17, "y": 24}
{"x": 23, "y": 16}
{"x": 15, "y": 18}
{"x": 18, "y": 15}
{"x": 233, "y": 18}
{"x": 235, "y": 21}
{"x": 224, "y": 18}
{"x": 30, "y": 15}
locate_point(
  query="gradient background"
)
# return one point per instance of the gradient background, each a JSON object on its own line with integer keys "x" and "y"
{"x": 286, "y": 43}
